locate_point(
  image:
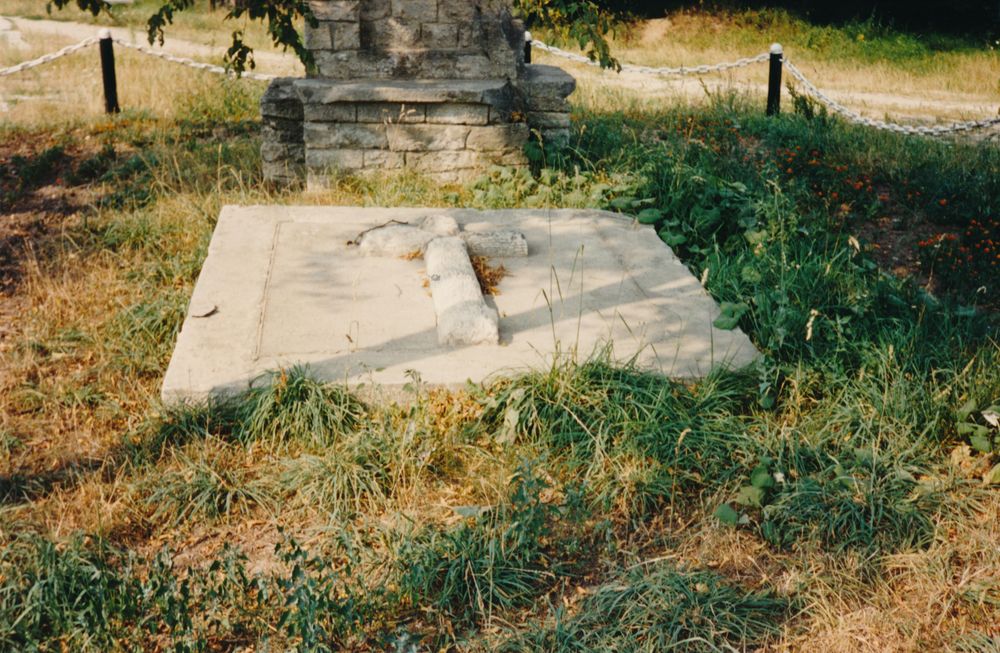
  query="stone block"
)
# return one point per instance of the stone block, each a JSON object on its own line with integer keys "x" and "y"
{"x": 375, "y": 9}
{"x": 494, "y": 92}
{"x": 281, "y": 101}
{"x": 319, "y": 37}
{"x": 339, "y": 159}
{"x": 458, "y": 114}
{"x": 439, "y": 35}
{"x": 338, "y": 112}
{"x": 498, "y": 137}
{"x": 270, "y": 133}
{"x": 273, "y": 151}
{"x": 462, "y": 11}
{"x": 444, "y": 161}
{"x": 383, "y": 160}
{"x": 283, "y": 172}
{"x": 548, "y": 120}
{"x": 391, "y": 112}
{"x": 338, "y": 136}
{"x": 346, "y": 36}
{"x": 391, "y": 34}
{"x": 546, "y": 87}
{"x": 346, "y": 10}
{"x": 415, "y": 10}
{"x": 427, "y": 138}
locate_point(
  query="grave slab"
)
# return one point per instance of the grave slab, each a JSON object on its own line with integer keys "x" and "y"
{"x": 285, "y": 286}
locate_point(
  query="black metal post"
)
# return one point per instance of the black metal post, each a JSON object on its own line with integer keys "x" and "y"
{"x": 774, "y": 80}
{"x": 108, "y": 73}
{"x": 527, "y": 47}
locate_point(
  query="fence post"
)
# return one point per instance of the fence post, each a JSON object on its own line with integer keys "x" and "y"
{"x": 527, "y": 47}
{"x": 108, "y": 72}
{"x": 774, "y": 80}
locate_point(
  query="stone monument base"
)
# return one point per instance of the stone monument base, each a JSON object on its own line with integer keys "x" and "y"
{"x": 450, "y": 130}
{"x": 286, "y": 286}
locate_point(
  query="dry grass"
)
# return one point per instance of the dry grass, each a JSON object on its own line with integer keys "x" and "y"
{"x": 947, "y": 85}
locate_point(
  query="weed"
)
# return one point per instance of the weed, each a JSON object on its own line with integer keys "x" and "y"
{"x": 295, "y": 407}
{"x": 660, "y": 608}
{"x": 213, "y": 481}
{"x": 492, "y": 561}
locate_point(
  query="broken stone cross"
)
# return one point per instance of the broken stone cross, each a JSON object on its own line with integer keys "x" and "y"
{"x": 463, "y": 316}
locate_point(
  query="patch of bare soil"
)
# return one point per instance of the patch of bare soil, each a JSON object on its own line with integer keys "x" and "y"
{"x": 36, "y": 199}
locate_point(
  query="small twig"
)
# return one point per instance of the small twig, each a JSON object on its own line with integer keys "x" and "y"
{"x": 357, "y": 239}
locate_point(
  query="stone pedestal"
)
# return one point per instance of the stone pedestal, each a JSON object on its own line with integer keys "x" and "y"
{"x": 439, "y": 86}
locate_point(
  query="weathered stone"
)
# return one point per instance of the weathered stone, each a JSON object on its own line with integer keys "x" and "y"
{"x": 463, "y": 318}
{"x": 319, "y": 37}
{"x": 346, "y": 135}
{"x": 439, "y": 35}
{"x": 444, "y": 161}
{"x": 440, "y": 225}
{"x": 272, "y": 134}
{"x": 439, "y": 85}
{"x": 376, "y": 9}
{"x": 489, "y": 91}
{"x": 496, "y": 244}
{"x": 272, "y": 152}
{"x": 497, "y": 137}
{"x": 337, "y": 112}
{"x": 395, "y": 240}
{"x": 427, "y": 138}
{"x": 547, "y": 87}
{"x": 346, "y": 10}
{"x": 548, "y": 120}
{"x": 384, "y": 160}
{"x": 415, "y": 9}
{"x": 458, "y": 114}
{"x": 391, "y": 112}
{"x": 325, "y": 159}
{"x": 391, "y": 34}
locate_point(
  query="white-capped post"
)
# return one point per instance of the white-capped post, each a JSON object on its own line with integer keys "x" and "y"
{"x": 774, "y": 80}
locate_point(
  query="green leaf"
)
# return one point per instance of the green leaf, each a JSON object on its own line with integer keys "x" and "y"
{"x": 970, "y": 429}
{"x": 967, "y": 409}
{"x": 649, "y": 216}
{"x": 672, "y": 239}
{"x": 761, "y": 478}
{"x": 993, "y": 476}
{"x": 981, "y": 443}
{"x": 750, "y": 274}
{"x": 726, "y": 514}
{"x": 750, "y": 496}
{"x": 622, "y": 203}
{"x": 731, "y": 314}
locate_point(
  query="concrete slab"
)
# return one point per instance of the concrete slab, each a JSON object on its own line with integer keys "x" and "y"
{"x": 281, "y": 287}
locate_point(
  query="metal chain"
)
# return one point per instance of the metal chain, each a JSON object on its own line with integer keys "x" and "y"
{"x": 649, "y": 70}
{"x": 855, "y": 117}
{"x": 191, "y": 63}
{"x": 49, "y": 58}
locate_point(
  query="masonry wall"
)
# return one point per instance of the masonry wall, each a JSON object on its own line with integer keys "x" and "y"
{"x": 426, "y": 39}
